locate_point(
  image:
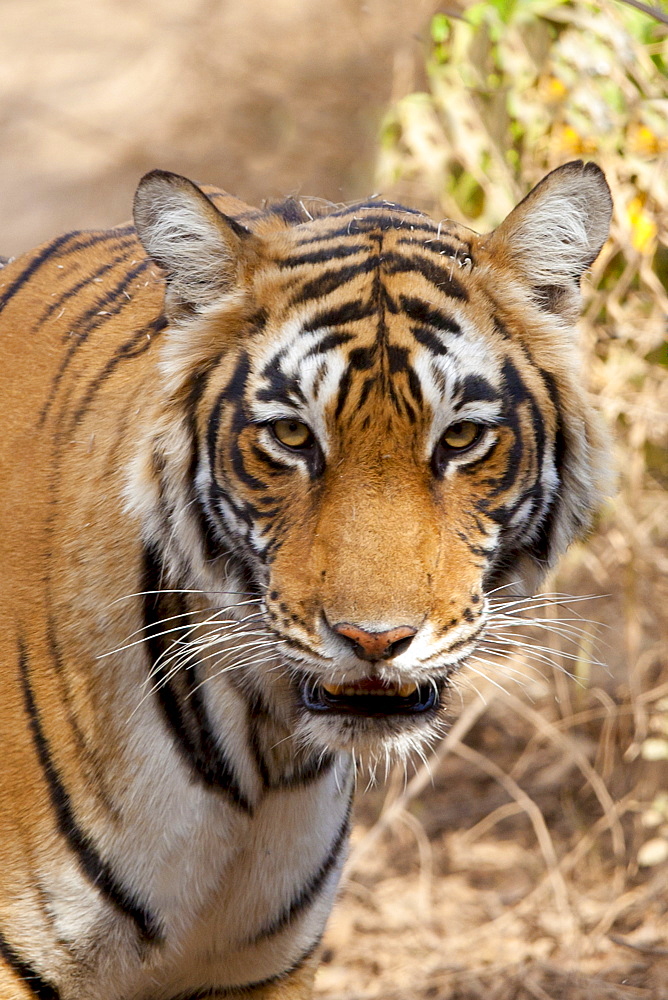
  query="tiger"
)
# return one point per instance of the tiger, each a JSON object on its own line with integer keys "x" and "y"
{"x": 263, "y": 471}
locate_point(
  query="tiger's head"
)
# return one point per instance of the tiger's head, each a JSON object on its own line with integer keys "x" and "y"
{"x": 366, "y": 423}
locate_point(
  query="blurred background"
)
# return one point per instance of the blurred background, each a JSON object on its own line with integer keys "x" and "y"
{"x": 528, "y": 858}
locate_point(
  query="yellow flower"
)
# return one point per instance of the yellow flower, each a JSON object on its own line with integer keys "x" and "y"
{"x": 569, "y": 141}
{"x": 643, "y": 141}
{"x": 551, "y": 89}
{"x": 643, "y": 227}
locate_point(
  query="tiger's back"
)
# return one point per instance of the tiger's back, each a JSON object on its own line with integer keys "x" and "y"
{"x": 250, "y": 526}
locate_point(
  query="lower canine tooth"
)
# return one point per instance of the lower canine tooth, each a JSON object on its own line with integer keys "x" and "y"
{"x": 406, "y": 690}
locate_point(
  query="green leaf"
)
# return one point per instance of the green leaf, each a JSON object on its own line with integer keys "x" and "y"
{"x": 440, "y": 28}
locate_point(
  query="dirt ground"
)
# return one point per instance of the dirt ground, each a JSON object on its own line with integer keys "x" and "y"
{"x": 264, "y": 98}
{"x": 527, "y": 859}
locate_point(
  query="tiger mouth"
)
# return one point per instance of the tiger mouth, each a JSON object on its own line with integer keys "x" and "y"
{"x": 371, "y": 697}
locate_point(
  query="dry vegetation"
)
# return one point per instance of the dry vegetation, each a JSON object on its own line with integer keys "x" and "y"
{"x": 529, "y": 858}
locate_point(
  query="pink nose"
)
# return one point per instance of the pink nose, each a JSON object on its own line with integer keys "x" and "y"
{"x": 376, "y": 645}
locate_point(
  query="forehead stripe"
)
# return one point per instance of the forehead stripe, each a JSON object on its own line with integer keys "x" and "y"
{"x": 398, "y": 263}
{"x": 328, "y": 343}
{"x": 368, "y": 223}
{"x": 349, "y": 312}
{"x": 433, "y": 245}
{"x": 332, "y": 280}
{"x": 322, "y": 256}
{"x": 428, "y": 315}
{"x": 428, "y": 339}
{"x": 282, "y": 388}
{"x": 476, "y": 388}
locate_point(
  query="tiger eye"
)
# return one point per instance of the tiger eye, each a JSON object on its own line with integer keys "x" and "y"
{"x": 292, "y": 433}
{"x": 461, "y": 435}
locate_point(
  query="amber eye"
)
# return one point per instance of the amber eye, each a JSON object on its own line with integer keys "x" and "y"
{"x": 461, "y": 435}
{"x": 292, "y": 433}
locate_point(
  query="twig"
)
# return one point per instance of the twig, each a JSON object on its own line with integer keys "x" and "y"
{"x": 644, "y": 949}
{"x": 654, "y": 12}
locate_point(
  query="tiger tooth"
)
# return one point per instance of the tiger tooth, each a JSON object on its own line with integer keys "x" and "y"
{"x": 334, "y": 689}
{"x": 387, "y": 691}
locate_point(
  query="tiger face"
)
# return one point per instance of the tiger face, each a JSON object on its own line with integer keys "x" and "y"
{"x": 388, "y": 424}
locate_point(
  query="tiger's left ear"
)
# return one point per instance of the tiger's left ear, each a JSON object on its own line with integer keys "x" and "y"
{"x": 204, "y": 253}
{"x": 556, "y": 233}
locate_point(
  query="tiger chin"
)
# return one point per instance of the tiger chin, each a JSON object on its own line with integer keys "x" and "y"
{"x": 263, "y": 472}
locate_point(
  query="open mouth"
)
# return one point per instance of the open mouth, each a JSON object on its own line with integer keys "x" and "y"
{"x": 370, "y": 697}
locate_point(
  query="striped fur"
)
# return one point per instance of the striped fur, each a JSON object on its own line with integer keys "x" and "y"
{"x": 174, "y": 810}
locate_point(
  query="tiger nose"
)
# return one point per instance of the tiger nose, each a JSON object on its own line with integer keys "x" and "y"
{"x": 376, "y": 645}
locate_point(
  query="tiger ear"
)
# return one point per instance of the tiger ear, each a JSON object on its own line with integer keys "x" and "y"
{"x": 203, "y": 252}
{"x": 556, "y": 233}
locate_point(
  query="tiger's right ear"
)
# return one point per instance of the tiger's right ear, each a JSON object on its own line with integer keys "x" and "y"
{"x": 204, "y": 253}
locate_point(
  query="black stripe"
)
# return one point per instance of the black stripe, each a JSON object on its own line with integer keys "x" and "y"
{"x": 434, "y": 245}
{"x": 308, "y": 892}
{"x": 559, "y": 437}
{"x": 92, "y": 865}
{"x": 234, "y": 390}
{"x": 397, "y": 358}
{"x": 268, "y": 460}
{"x": 474, "y": 388}
{"x": 180, "y": 698}
{"x": 500, "y": 327}
{"x": 139, "y": 343}
{"x": 349, "y": 312}
{"x": 328, "y": 343}
{"x": 87, "y": 323}
{"x": 414, "y": 386}
{"x": 87, "y": 280}
{"x": 543, "y": 542}
{"x": 259, "y": 715}
{"x": 236, "y": 455}
{"x": 89, "y": 239}
{"x": 34, "y": 265}
{"x": 376, "y": 204}
{"x": 367, "y": 225}
{"x": 322, "y": 256}
{"x": 428, "y": 315}
{"x": 198, "y": 385}
{"x": 39, "y": 987}
{"x": 395, "y": 263}
{"x": 87, "y": 753}
{"x": 471, "y": 468}
{"x": 212, "y": 432}
{"x": 282, "y": 388}
{"x": 365, "y": 390}
{"x": 90, "y": 319}
{"x": 429, "y": 340}
{"x": 376, "y": 216}
{"x": 220, "y": 992}
{"x": 332, "y": 280}
{"x": 289, "y": 210}
{"x": 344, "y": 389}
